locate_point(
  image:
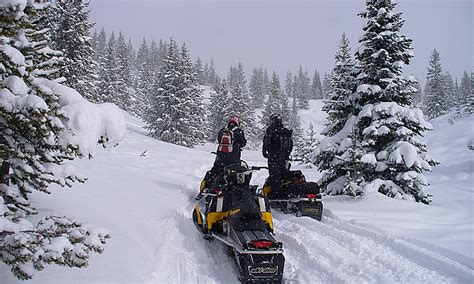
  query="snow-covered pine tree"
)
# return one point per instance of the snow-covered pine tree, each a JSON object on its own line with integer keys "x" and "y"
{"x": 303, "y": 152}
{"x": 47, "y": 61}
{"x": 294, "y": 122}
{"x": 266, "y": 83}
{"x": 289, "y": 85}
{"x": 239, "y": 102}
{"x": 205, "y": 73}
{"x": 274, "y": 102}
{"x": 285, "y": 109}
{"x": 465, "y": 101}
{"x": 335, "y": 155}
{"x": 162, "y": 47}
{"x": 176, "y": 114}
{"x": 435, "y": 94}
{"x": 124, "y": 75}
{"x": 218, "y": 115}
{"x": 191, "y": 91}
{"x": 388, "y": 128}
{"x": 109, "y": 86}
{"x": 154, "y": 56}
{"x": 199, "y": 71}
{"x": 32, "y": 151}
{"x": 101, "y": 45}
{"x": 450, "y": 90}
{"x": 302, "y": 89}
{"x": 95, "y": 44}
{"x": 257, "y": 87}
{"x": 338, "y": 105}
{"x": 212, "y": 75}
{"x": 418, "y": 97}
{"x": 145, "y": 80}
{"x": 326, "y": 89}
{"x": 72, "y": 38}
{"x": 316, "y": 88}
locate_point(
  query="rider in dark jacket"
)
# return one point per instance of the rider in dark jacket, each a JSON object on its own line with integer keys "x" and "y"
{"x": 277, "y": 147}
{"x": 238, "y": 142}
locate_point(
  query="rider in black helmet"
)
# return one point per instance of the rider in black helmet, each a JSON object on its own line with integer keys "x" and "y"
{"x": 277, "y": 147}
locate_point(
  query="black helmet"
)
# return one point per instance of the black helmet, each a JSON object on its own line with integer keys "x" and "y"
{"x": 237, "y": 174}
{"x": 275, "y": 118}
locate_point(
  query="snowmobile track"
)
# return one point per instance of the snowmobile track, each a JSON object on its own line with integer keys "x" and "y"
{"x": 342, "y": 252}
{"x": 330, "y": 251}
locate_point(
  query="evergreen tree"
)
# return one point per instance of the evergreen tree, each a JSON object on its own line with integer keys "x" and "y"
{"x": 285, "y": 109}
{"x": 316, "y": 88}
{"x": 72, "y": 37}
{"x": 199, "y": 71}
{"x": 145, "y": 80}
{"x": 101, "y": 45}
{"x": 465, "y": 101}
{"x": 205, "y": 74}
{"x": 289, "y": 85}
{"x": 380, "y": 145}
{"x": 124, "y": 76}
{"x": 338, "y": 105}
{"x": 218, "y": 114}
{"x": 257, "y": 87}
{"x": 340, "y": 110}
{"x": 266, "y": 83}
{"x": 327, "y": 89}
{"x": 450, "y": 90}
{"x": 435, "y": 103}
{"x": 294, "y": 123}
{"x": 32, "y": 151}
{"x": 212, "y": 75}
{"x": 274, "y": 102}
{"x": 304, "y": 149}
{"x": 109, "y": 85}
{"x": 239, "y": 103}
{"x": 418, "y": 97}
{"x": 154, "y": 58}
{"x": 176, "y": 113}
{"x": 389, "y": 128}
{"x": 302, "y": 89}
{"x": 46, "y": 61}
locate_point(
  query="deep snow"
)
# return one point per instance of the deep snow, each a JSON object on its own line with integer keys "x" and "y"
{"x": 142, "y": 192}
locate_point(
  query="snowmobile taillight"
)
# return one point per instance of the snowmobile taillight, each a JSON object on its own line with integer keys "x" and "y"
{"x": 311, "y": 195}
{"x": 261, "y": 244}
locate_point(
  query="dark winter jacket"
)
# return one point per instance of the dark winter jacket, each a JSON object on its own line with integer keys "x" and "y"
{"x": 277, "y": 143}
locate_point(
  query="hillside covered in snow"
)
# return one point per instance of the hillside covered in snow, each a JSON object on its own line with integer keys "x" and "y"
{"x": 143, "y": 191}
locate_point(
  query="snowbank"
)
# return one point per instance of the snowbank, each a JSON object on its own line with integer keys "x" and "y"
{"x": 87, "y": 122}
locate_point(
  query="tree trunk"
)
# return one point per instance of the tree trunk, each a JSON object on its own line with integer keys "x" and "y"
{"x": 4, "y": 172}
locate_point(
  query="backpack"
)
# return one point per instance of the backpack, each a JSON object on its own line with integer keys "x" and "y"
{"x": 227, "y": 141}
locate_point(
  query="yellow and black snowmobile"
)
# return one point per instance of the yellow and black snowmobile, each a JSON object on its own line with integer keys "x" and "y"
{"x": 231, "y": 211}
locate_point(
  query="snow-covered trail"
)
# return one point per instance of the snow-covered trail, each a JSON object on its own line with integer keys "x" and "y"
{"x": 336, "y": 251}
{"x": 146, "y": 203}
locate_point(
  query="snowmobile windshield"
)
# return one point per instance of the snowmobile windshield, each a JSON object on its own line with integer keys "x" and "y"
{"x": 237, "y": 175}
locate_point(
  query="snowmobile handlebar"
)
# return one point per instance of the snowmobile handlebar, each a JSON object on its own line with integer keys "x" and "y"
{"x": 256, "y": 168}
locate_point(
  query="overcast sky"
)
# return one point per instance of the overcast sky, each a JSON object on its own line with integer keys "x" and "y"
{"x": 281, "y": 35}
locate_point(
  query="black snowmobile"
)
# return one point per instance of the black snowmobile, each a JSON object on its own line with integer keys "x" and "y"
{"x": 296, "y": 195}
{"x": 230, "y": 210}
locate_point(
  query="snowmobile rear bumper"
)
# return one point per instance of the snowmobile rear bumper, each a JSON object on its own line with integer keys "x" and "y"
{"x": 256, "y": 265}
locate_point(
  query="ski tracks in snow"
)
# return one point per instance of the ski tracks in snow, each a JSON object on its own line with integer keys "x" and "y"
{"x": 331, "y": 251}
{"x": 183, "y": 256}
{"x": 336, "y": 251}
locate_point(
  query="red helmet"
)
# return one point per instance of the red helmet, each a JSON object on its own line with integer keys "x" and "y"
{"x": 234, "y": 119}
